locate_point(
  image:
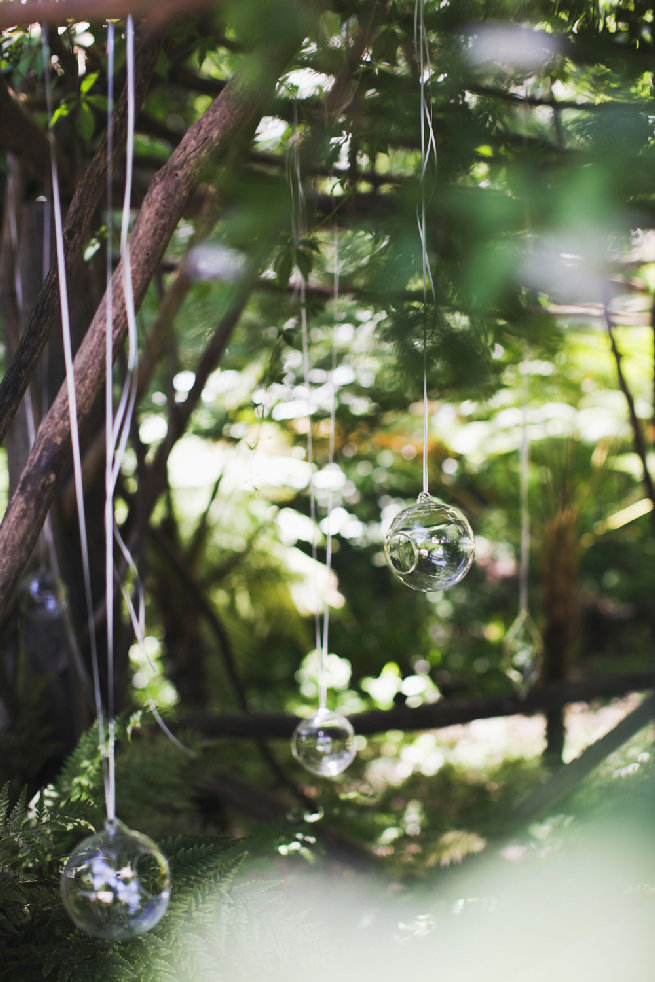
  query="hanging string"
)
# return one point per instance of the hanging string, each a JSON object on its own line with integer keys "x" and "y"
{"x": 47, "y": 553}
{"x": 524, "y": 463}
{"x": 118, "y": 422}
{"x": 323, "y": 666}
{"x": 524, "y": 450}
{"x": 298, "y": 229}
{"x": 324, "y": 742}
{"x": 428, "y": 150}
{"x": 109, "y": 417}
{"x": 75, "y": 436}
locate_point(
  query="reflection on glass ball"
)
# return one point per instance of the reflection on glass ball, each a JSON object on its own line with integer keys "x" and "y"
{"x": 44, "y": 595}
{"x": 430, "y": 545}
{"x": 523, "y": 650}
{"x": 116, "y": 884}
{"x": 324, "y": 743}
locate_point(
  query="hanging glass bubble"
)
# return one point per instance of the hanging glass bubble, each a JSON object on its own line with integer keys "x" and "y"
{"x": 523, "y": 650}
{"x": 44, "y": 596}
{"x": 116, "y": 884}
{"x": 324, "y": 743}
{"x": 430, "y": 545}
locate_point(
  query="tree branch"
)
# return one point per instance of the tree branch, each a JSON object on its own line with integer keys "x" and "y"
{"x": 567, "y": 778}
{"x": 22, "y": 136}
{"x": 637, "y": 435}
{"x": 433, "y": 716}
{"x": 86, "y": 199}
{"x": 230, "y": 119}
{"x": 493, "y": 92}
{"x": 17, "y": 14}
{"x": 196, "y": 597}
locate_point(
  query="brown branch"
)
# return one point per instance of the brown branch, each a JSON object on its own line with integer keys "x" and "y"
{"x": 161, "y": 330}
{"x": 447, "y": 712}
{"x": 154, "y": 479}
{"x": 230, "y": 120}
{"x": 17, "y": 14}
{"x": 86, "y": 199}
{"x": 196, "y": 597}
{"x": 21, "y": 135}
{"x": 492, "y": 92}
{"x": 567, "y": 778}
{"x": 235, "y": 792}
{"x": 637, "y": 434}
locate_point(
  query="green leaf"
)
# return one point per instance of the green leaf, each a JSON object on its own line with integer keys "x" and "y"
{"x": 98, "y": 102}
{"x": 62, "y": 110}
{"x": 282, "y": 266}
{"x": 88, "y": 82}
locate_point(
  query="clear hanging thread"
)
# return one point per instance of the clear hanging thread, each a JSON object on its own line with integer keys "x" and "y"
{"x": 324, "y": 742}
{"x": 115, "y": 884}
{"x": 523, "y": 644}
{"x": 429, "y": 545}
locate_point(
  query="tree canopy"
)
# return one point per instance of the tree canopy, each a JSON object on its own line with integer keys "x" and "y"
{"x": 280, "y": 172}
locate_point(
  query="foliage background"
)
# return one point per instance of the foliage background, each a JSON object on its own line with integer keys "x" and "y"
{"x": 539, "y": 237}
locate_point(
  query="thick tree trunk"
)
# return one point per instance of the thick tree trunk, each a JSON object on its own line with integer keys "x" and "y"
{"x": 560, "y": 611}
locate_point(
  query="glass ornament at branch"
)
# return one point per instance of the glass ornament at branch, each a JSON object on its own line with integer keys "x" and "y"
{"x": 324, "y": 743}
{"x": 116, "y": 884}
{"x": 430, "y": 545}
{"x": 523, "y": 650}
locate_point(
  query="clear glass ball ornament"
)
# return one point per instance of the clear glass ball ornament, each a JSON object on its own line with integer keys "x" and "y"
{"x": 523, "y": 653}
{"x": 324, "y": 743}
{"x": 116, "y": 884}
{"x": 430, "y": 545}
{"x": 44, "y": 595}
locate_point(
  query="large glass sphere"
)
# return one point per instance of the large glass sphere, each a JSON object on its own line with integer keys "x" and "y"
{"x": 324, "y": 743}
{"x": 430, "y": 545}
{"x": 116, "y": 884}
{"x": 44, "y": 595}
{"x": 523, "y": 653}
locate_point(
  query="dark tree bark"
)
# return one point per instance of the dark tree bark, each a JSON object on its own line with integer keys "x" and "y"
{"x": 227, "y": 124}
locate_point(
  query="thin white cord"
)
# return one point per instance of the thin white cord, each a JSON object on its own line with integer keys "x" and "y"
{"x": 524, "y": 463}
{"x": 298, "y": 229}
{"x": 118, "y": 422}
{"x": 323, "y": 667}
{"x": 428, "y": 149}
{"x": 310, "y": 460}
{"x": 75, "y": 436}
{"x": 109, "y": 422}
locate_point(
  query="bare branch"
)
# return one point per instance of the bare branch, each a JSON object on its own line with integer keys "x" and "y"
{"x": 567, "y": 778}
{"x": 80, "y": 214}
{"x": 22, "y": 136}
{"x": 228, "y": 122}
{"x": 637, "y": 434}
{"x": 433, "y": 716}
{"x": 17, "y": 14}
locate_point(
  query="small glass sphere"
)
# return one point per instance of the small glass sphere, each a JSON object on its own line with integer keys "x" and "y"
{"x": 116, "y": 884}
{"x": 44, "y": 596}
{"x": 324, "y": 743}
{"x": 430, "y": 545}
{"x": 523, "y": 651}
